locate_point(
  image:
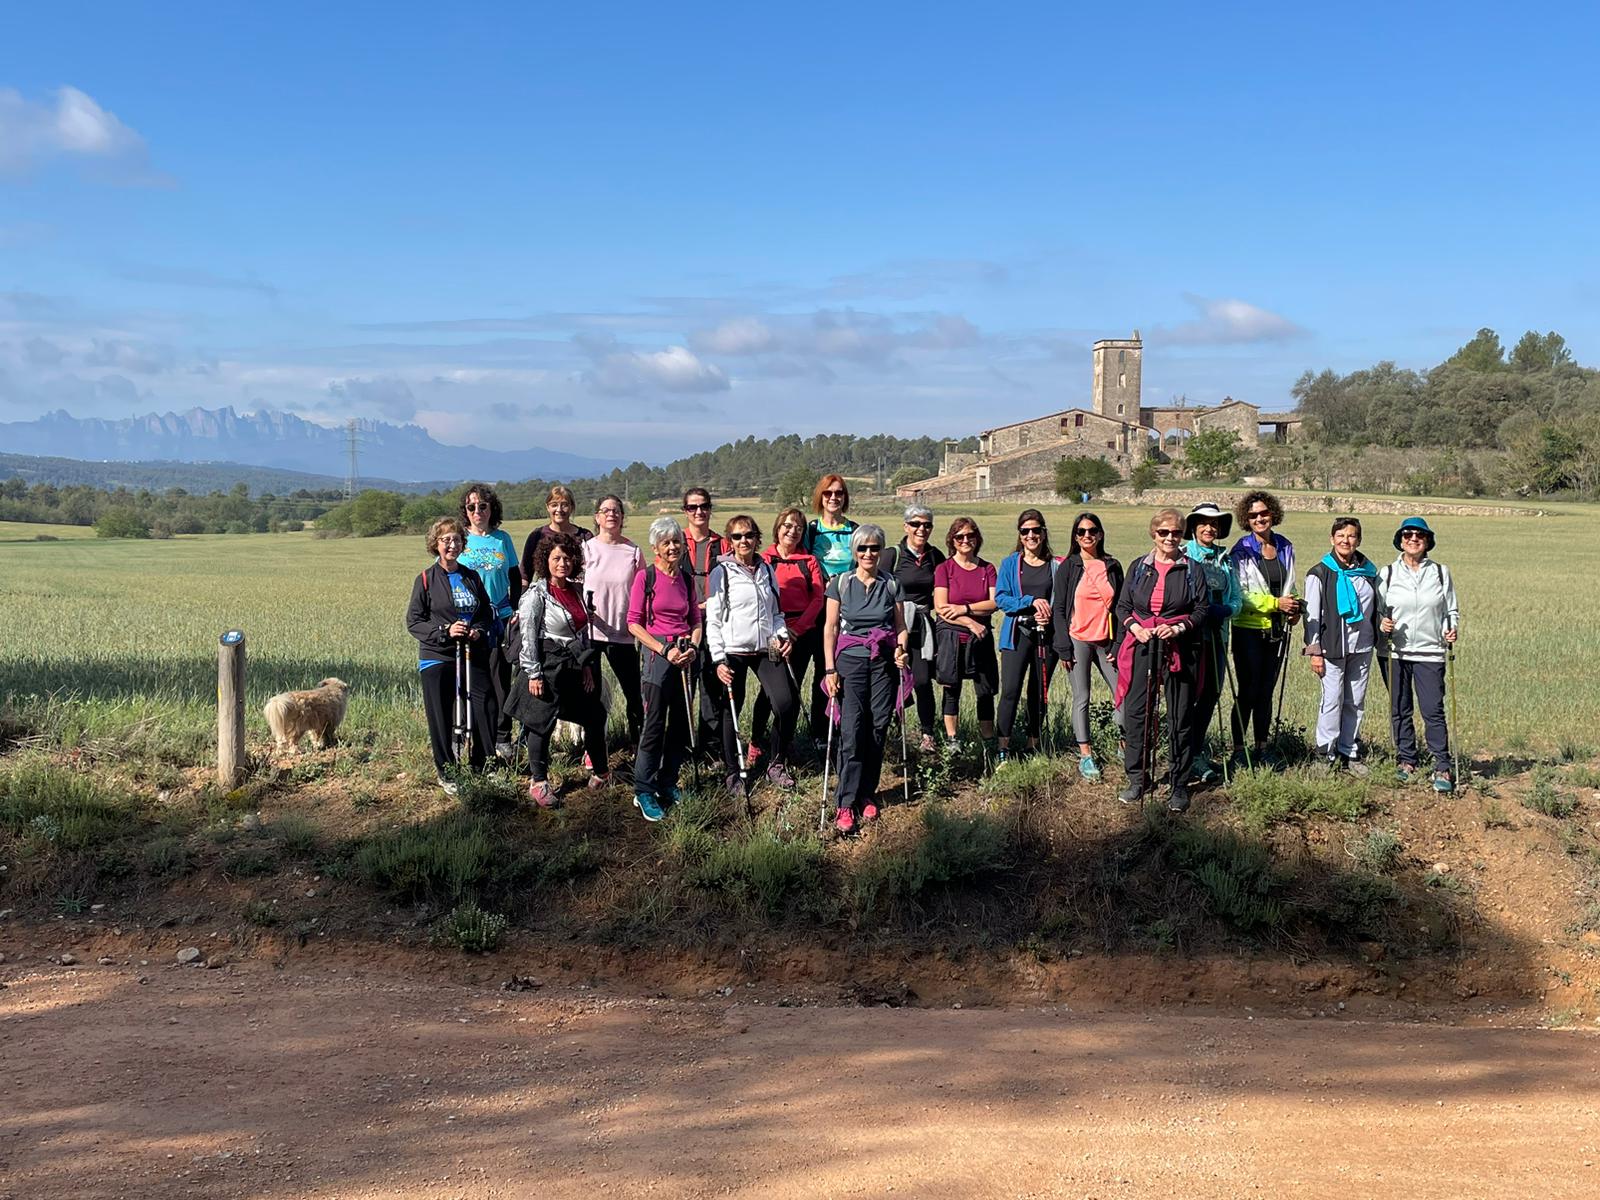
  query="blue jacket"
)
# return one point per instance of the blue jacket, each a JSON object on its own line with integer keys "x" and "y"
{"x": 1008, "y": 596}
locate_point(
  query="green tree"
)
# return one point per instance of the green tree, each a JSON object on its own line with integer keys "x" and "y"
{"x": 1483, "y": 353}
{"x": 1213, "y": 454}
{"x": 1143, "y": 477}
{"x": 418, "y": 514}
{"x": 1540, "y": 352}
{"x": 907, "y": 475}
{"x": 121, "y": 523}
{"x": 1079, "y": 476}
{"x": 794, "y": 487}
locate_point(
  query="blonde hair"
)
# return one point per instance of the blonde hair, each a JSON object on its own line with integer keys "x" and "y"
{"x": 1155, "y": 521}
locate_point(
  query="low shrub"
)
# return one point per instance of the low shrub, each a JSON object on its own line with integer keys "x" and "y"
{"x": 65, "y": 808}
{"x": 1377, "y": 851}
{"x": 1237, "y": 875}
{"x": 1262, "y": 797}
{"x": 951, "y": 850}
{"x": 471, "y": 929}
{"x": 442, "y": 861}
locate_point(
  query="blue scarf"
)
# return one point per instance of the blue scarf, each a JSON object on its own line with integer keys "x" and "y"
{"x": 1349, "y": 603}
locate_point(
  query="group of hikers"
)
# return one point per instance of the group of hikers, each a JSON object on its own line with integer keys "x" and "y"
{"x": 686, "y": 620}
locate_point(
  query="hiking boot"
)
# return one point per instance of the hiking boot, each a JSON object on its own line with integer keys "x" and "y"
{"x": 1133, "y": 793}
{"x": 735, "y": 785}
{"x": 649, "y": 806}
{"x": 927, "y": 745}
{"x": 596, "y": 782}
{"x": 869, "y": 811}
{"x": 1442, "y": 783}
{"x": 752, "y": 756}
{"x": 450, "y": 789}
{"x": 503, "y": 751}
{"x": 778, "y": 775}
{"x": 1088, "y": 769}
{"x": 1178, "y": 799}
{"x": 1357, "y": 768}
{"x": 1203, "y": 771}
{"x": 1405, "y": 772}
{"x": 540, "y": 792}
{"x": 844, "y": 821}
{"x": 1001, "y": 758}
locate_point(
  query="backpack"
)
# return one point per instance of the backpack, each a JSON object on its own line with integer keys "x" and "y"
{"x": 772, "y": 579}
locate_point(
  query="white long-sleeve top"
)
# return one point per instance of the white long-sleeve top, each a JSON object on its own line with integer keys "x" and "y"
{"x": 742, "y": 610}
{"x": 1423, "y": 605}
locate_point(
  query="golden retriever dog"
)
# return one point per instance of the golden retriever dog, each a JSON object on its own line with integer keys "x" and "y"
{"x": 317, "y": 713}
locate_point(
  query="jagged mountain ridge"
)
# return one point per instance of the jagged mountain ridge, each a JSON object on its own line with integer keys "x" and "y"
{"x": 270, "y": 438}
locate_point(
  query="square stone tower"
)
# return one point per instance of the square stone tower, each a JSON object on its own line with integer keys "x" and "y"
{"x": 1116, "y": 377}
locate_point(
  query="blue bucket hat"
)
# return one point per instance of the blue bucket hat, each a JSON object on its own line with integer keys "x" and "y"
{"x": 1414, "y": 523}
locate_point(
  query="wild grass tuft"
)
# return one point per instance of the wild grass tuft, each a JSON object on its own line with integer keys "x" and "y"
{"x": 1377, "y": 851}
{"x": 62, "y": 807}
{"x": 1544, "y": 797}
{"x": 296, "y": 834}
{"x": 771, "y": 874}
{"x": 949, "y": 849}
{"x": 444, "y": 860}
{"x": 471, "y": 929}
{"x": 1262, "y": 797}
{"x": 1237, "y": 875}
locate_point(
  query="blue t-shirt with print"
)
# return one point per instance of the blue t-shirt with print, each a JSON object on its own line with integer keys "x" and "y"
{"x": 466, "y": 605}
{"x": 493, "y": 556}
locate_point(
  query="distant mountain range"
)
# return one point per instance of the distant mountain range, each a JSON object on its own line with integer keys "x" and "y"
{"x": 198, "y": 478}
{"x": 282, "y": 440}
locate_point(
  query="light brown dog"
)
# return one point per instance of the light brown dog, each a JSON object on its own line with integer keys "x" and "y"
{"x": 317, "y": 713}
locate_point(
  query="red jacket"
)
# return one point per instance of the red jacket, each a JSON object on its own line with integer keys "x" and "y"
{"x": 800, "y": 589}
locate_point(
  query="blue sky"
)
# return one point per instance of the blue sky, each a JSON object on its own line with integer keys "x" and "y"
{"x": 641, "y": 230}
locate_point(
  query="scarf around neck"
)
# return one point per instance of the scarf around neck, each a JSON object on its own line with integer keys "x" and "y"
{"x": 1349, "y": 602}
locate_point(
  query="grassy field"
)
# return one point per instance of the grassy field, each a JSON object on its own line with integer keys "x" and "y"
{"x": 22, "y": 531}
{"x": 114, "y": 633}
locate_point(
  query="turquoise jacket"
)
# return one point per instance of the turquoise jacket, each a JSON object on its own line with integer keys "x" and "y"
{"x": 1226, "y": 597}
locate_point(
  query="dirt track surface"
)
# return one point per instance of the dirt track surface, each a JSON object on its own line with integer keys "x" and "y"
{"x": 315, "y": 1082}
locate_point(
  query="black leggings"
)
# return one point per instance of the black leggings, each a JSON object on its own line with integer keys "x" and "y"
{"x": 624, "y": 660}
{"x": 807, "y": 648}
{"x": 1018, "y": 668}
{"x": 1178, "y": 718}
{"x": 566, "y": 698}
{"x": 438, "y": 701}
{"x": 774, "y": 680}
{"x": 1255, "y": 669}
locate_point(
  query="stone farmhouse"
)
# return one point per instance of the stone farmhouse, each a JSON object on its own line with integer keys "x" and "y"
{"x": 1117, "y": 427}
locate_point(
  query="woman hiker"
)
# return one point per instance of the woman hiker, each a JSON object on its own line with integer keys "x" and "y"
{"x": 1420, "y": 620}
{"x": 1341, "y": 633}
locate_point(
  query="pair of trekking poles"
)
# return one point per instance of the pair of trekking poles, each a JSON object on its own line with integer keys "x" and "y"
{"x": 828, "y": 714}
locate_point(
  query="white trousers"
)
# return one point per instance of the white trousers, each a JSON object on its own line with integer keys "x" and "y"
{"x": 1344, "y": 698}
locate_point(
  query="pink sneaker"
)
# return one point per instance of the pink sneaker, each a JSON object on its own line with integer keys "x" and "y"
{"x": 540, "y": 792}
{"x": 869, "y": 811}
{"x": 596, "y": 782}
{"x": 845, "y": 822}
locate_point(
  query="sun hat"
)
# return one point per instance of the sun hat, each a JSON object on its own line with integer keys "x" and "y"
{"x": 1414, "y": 523}
{"x": 1208, "y": 512}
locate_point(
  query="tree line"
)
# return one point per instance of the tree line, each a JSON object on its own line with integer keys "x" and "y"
{"x": 124, "y": 512}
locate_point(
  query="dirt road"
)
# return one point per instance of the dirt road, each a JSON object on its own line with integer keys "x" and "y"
{"x": 313, "y": 1081}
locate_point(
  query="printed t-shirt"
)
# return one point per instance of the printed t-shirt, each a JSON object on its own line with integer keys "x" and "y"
{"x": 1091, "y": 603}
{"x": 466, "y": 605}
{"x": 831, "y": 545}
{"x": 493, "y": 556}
{"x": 608, "y": 572}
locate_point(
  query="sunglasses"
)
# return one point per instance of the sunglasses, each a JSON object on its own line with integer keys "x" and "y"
{"x": 1413, "y": 535}
{"x": 747, "y": 535}
{"x": 1087, "y": 531}
{"x": 838, "y": 493}
{"x": 1169, "y": 534}
{"x": 1032, "y": 531}
{"x": 869, "y": 549}
{"x": 1258, "y": 514}
{"x": 963, "y": 537}
{"x": 919, "y": 524}
{"x": 697, "y": 508}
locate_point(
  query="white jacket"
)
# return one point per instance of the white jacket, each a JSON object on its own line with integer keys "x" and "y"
{"x": 742, "y": 610}
{"x": 1423, "y": 605}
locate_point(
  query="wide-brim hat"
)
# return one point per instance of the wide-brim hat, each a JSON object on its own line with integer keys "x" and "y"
{"x": 1414, "y": 523}
{"x": 1208, "y": 512}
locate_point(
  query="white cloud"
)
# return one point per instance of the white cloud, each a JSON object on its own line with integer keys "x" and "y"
{"x": 128, "y": 356}
{"x": 70, "y": 126}
{"x": 867, "y": 339}
{"x": 391, "y": 398}
{"x": 621, "y": 372}
{"x": 1228, "y": 322}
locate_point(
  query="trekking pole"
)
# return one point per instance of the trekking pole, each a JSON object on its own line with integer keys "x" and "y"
{"x": 1452, "y": 731}
{"x": 1152, "y": 710}
{"x": 694, "y": 736}
{"x": 458, "y": 712}
{"x": 827, "y": 757}
{"x": 1047, "y": 740}
{"x": 1217, "y": 653}
{"x": 905, "y": 758}
{"x": 1233, "y": 690}
{"x": 744, "y": 767}
{"x": 466, "y": 701}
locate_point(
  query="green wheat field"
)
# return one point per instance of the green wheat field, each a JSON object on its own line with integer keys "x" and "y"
{"x": 116, "y": 634}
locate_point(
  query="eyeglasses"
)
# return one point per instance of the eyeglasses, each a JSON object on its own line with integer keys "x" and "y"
{"x": 1169, "y": 534}
{"x": 477, "y": 507}
{"x": 1087, "y": 531}
{"x": 1413, "y": 535}
{"x": 919, "y": 524}
{"x": 1032, "y": 531}
{"x": 838, "y": 493}
{"x": 745, "y": 535}
{"x": 609, "y": 512}
{"x": 1257, "y": 514}
{"x": 697, "y": 508}
{"x": 869, "y": 549}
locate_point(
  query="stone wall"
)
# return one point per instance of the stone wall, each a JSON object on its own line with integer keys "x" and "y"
{"x": 1243, "y": 419}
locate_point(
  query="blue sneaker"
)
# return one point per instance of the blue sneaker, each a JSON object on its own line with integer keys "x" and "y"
{"x": 1442, "y": 783}
{"x": 649, "y": 806}
{"x": 1088, "y": 769}
{"x": 671, "y": 794}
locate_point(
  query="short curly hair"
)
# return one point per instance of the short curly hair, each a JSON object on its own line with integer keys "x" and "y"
{"x": 442, "y": 526}
{"x": 557, "y": 541}
{"x": 1249, "y": 500}
{"x": 486, "y": 495}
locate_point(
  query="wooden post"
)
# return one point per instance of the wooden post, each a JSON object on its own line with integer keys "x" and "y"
{"x": 230, "y": 709}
